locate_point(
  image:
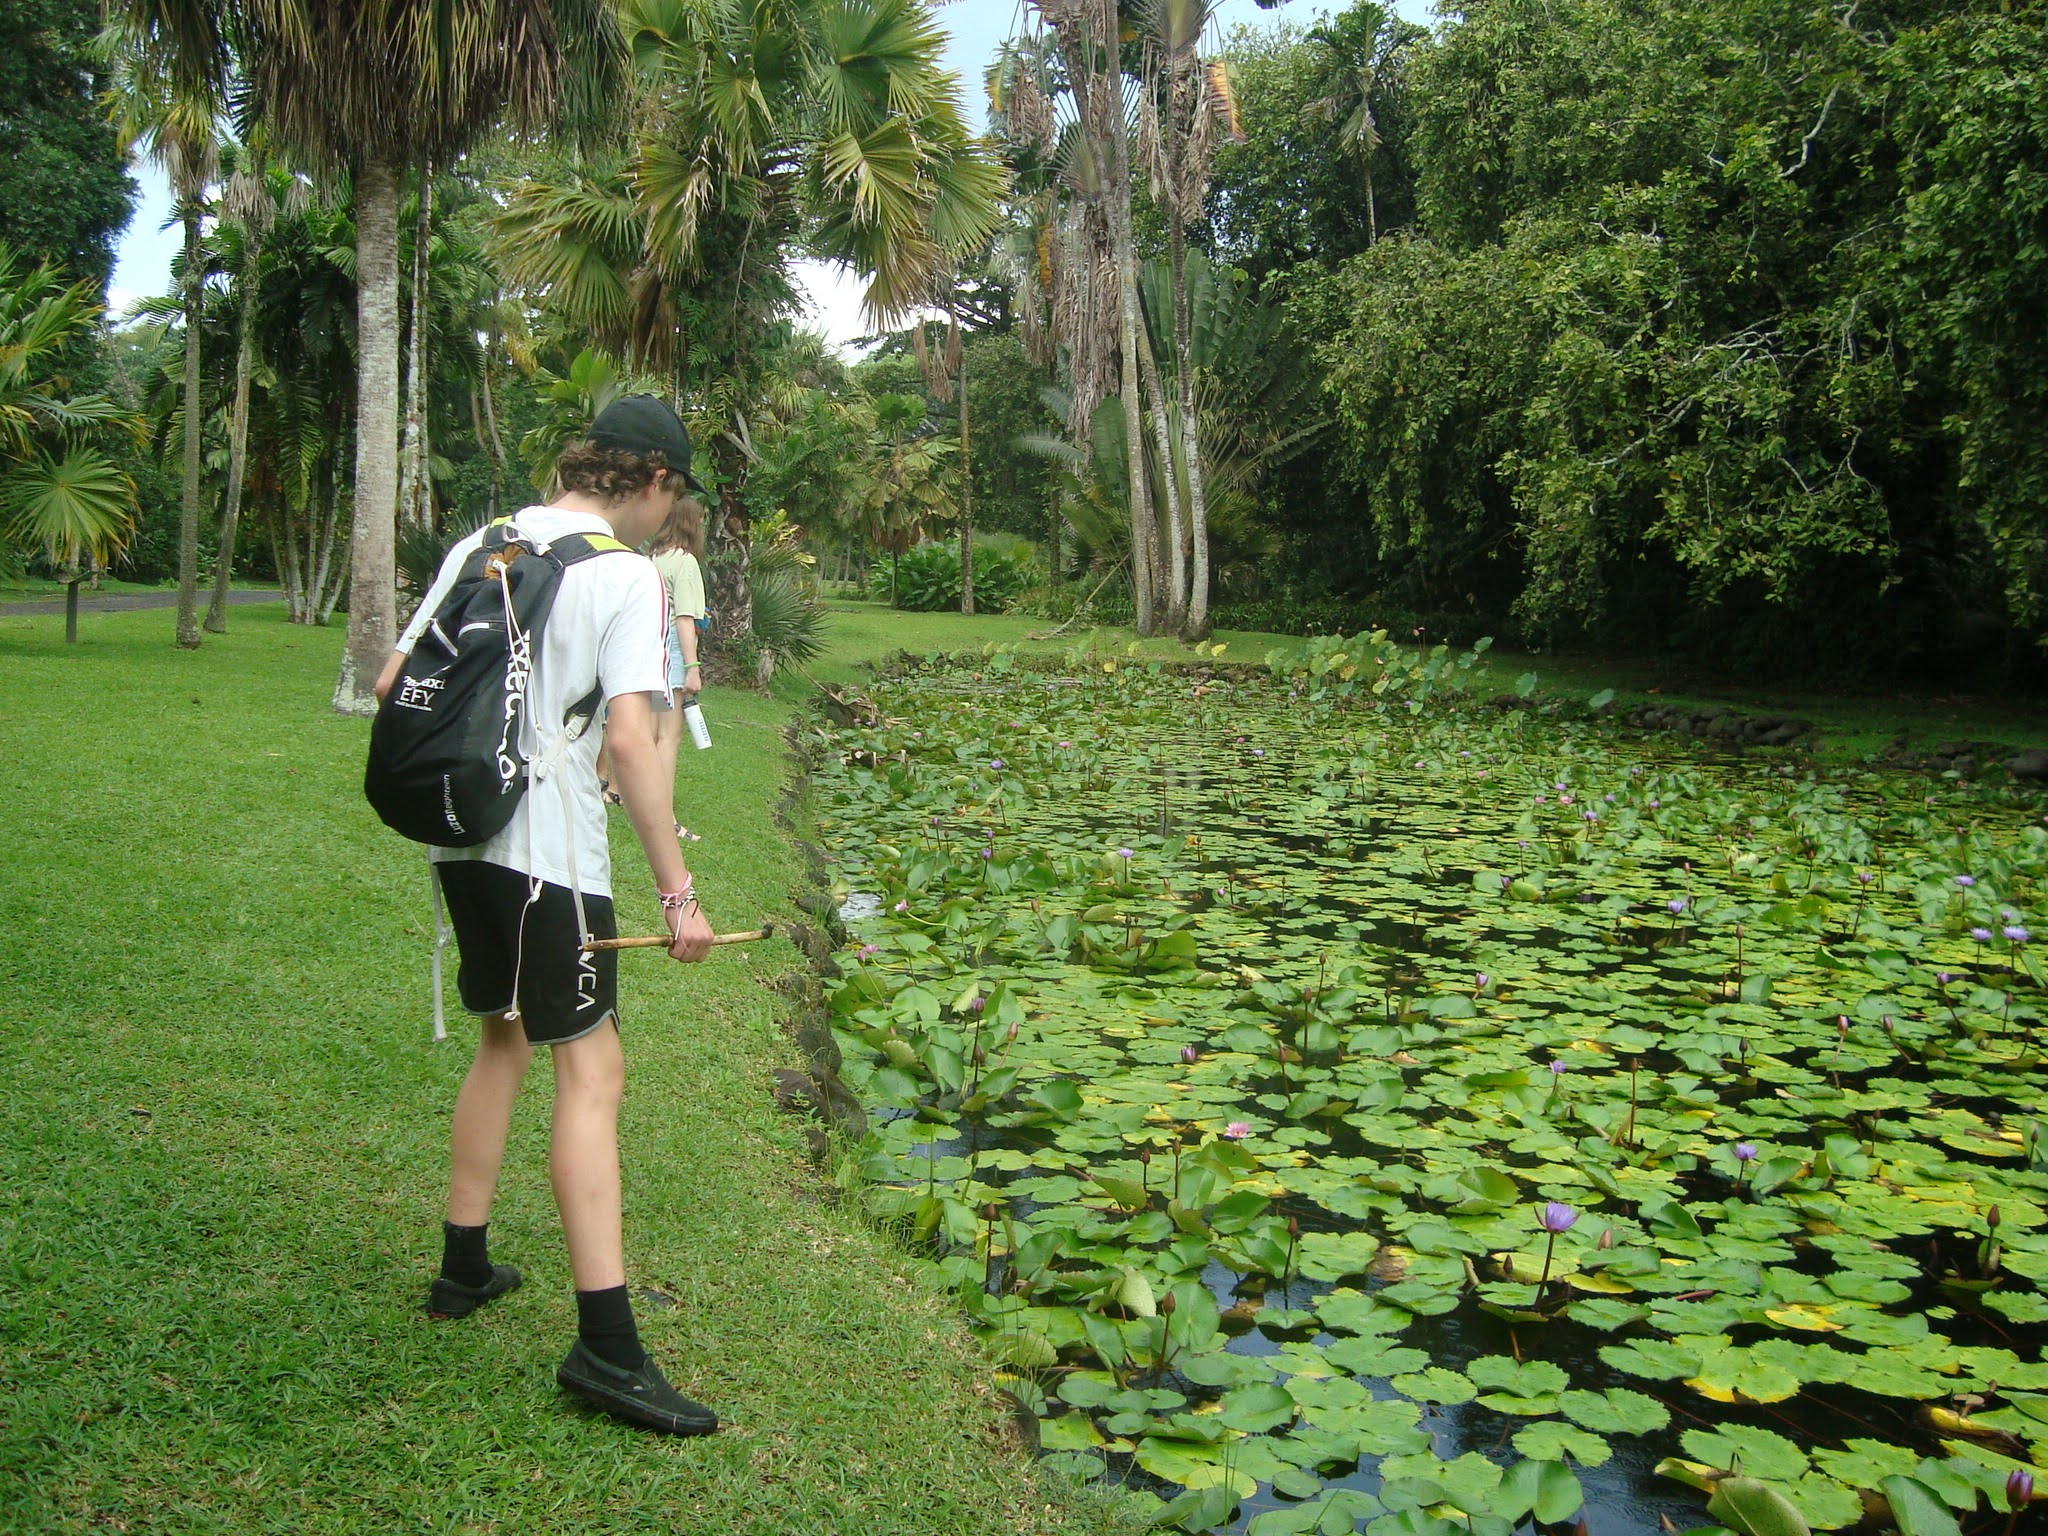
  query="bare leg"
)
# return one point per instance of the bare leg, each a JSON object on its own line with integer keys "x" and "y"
{"x": 583, "y": 1157}
{"x": 483, "y": 1114}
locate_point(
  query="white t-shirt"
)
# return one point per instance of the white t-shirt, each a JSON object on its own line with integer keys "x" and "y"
{"x": 605, "y": 629}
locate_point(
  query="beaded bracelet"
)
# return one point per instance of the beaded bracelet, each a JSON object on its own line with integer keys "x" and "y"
{"x": 676, "y": 901}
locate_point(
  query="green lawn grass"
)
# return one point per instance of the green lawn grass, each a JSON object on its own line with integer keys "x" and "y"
{"x": 223, "y": 1157}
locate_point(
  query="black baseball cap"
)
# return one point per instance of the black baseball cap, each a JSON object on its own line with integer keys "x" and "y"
{"x": 644, "y": 424}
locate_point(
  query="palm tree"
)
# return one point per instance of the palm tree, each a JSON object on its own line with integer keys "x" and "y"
{"x": 1095, "y": 160}
{"x": 761, "y": 126}
{"x": 1196, "y": 102}
{"x": 910, "y": 477}
{"x": 250, "y": 207}
{"x": 372, "y": 87}
{"x": 944, "y": 365}
{"x": 175, "y": 121}
{"x": 58, "y": 494}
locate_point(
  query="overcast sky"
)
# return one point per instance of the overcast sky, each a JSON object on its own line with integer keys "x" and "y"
{"x": 142, "y": 264}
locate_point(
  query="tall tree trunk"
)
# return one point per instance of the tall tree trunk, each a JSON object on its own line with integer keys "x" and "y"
{"x": 729, "y": 542}
{"x": 71, "y": 607}
{"x": 1095, "y": 75}
{"x": 372, "y": 599}
{"x": 1173, "y": 546}
{"x": 1144, "y": 535}
{"x": 1195, "y": 623}
{"x": 238, "y": 437}
{"x": 414, "y": 496}
{"x": 188, "y": 512}
{"x": 284, "y": 554}
{"x": 966, "y": 497}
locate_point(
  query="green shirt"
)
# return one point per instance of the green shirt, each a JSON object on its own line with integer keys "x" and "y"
{"x": 684, "y": 581}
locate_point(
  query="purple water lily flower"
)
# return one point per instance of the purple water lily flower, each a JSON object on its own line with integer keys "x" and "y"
{"x": 1556, "y": 1217}
{"x": 1558, "y": 1069}
{"x": 2017, "y": 934}
{"x": 1125, "y": 853}
{"x": 1480, "y": 979}
{"x": 988, "y": 853}
{"x": 903, "y": 906}
{"x": 1258, "y": 751}
{"x": 1966, "y": 881}
{"x": 1745, "y": 1151}
{"x": 1981, "y": 935}
{"x": 2019, "y": 1488}
{"x": 1944, "y": 977}
{"x": 1676, "y": 904}
{"x": 1237, "y": 1130}
{"x": 996, "y": 763}
{"x": 1064, "y": 745}
{"x": 1655, "y": 803}
{"x": 864, "y": 951}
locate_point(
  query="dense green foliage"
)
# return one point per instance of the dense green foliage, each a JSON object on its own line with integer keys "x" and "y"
{"x": 1708, "y": 324}
{"x": 64, "y": 192}
{"x": 927, "y": 578}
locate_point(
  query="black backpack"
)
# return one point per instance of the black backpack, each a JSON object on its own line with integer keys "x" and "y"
{"x": 448, "y": 748}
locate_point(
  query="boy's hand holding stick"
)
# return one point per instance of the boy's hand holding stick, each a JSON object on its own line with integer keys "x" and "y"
{"x": 663, "y": 940}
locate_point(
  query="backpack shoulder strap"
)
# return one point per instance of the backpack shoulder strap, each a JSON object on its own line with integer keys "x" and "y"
{"x": 572, "y": 547}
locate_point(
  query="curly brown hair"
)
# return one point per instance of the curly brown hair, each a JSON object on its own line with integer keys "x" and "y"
{"x": 610, "y": 474}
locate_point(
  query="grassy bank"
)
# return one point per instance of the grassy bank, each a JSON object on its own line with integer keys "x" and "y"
{"x": 223, "y": 1158}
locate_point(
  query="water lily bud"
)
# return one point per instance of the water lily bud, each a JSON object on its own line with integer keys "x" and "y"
{"x": 1293, "y": 1227}
{"x": 977, "y": 1002}
{"x": 1606, "y": 1238}
{"x": 2019, "y": 1488}
{"x": 1991, "y": 1217}
{"x": 1010, "y": 1032}
{"x": 1189, "y": 1055}
{"x": 1166, "y": 1305}
{"x": 1842, "y": 1027}
{"x": 980, "y": 1057}
{"x": 1555, "y": 1216}
{"x": 1145, "y": 1156}
{"x": 988, "y": 1212}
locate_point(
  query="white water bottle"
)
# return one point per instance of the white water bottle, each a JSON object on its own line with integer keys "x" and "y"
{"x": 700, "y": 733}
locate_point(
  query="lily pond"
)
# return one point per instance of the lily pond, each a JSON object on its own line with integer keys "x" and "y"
{"x": 1342, "y": 1103}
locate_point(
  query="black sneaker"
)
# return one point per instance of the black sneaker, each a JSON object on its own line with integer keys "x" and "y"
{"x": 451, "y": 1298}
{"x": 641, "y": 1397}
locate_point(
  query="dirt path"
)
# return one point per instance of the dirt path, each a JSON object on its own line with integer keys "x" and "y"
{"x": 126, "y": 602}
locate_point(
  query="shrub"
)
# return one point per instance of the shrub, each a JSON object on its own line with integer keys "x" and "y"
{"x": 928, "y": 577}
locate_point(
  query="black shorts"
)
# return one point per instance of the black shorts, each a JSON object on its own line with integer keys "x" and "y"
{"x": 528, "y": 955}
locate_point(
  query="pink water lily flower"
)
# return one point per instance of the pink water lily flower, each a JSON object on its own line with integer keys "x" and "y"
{"x": 1237, "y": 1130}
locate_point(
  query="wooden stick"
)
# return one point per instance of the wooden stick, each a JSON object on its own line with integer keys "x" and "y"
{"x": 663, "y": 940}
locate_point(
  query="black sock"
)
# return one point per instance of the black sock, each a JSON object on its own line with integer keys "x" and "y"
{"x": 465, "y": 1255}
{"x": 604, "y": 1321}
